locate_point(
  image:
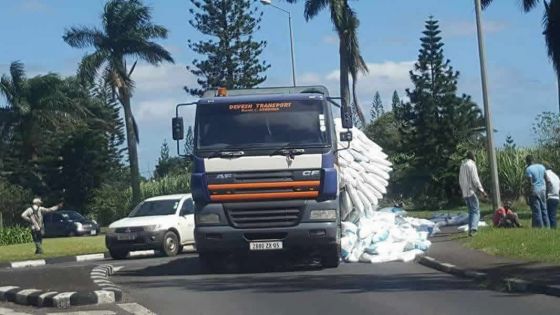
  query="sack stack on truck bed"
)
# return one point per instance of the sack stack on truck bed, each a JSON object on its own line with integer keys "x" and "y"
{"x": 368, "y": 233}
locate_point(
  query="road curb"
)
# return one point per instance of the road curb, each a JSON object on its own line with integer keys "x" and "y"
{"x": 108, "y": 293}
{"x": 514, "y": 285}
{"x": 54, "y": 260}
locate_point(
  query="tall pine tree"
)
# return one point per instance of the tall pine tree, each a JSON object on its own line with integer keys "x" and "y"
{"x": 396, "y": 101}
{"x": 231, "y": 56}
{"x": 435, "y": 121}
{"x": 376, "y": 107}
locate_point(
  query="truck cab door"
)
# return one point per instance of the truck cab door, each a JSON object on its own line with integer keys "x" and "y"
{"x": 186, "y": 221}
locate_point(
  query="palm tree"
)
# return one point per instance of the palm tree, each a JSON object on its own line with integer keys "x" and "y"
{"x": 346, "y": 24}
{"x": 34, "y": 106}
{"x": 127, "y": 33}
{"x": 551, "y": 25}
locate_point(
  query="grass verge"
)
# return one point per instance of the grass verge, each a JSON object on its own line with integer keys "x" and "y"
{"x": 54, "y": 247}
{"x": 524, "y": 243}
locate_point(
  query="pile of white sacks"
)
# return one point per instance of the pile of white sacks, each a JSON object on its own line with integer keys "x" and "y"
{"x": 369, "y": 234}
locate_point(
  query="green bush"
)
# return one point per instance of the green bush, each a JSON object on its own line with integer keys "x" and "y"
{"x": 15, "y": 235}
{"x": 112, "y": 202}
{"x": 13, "y": 201}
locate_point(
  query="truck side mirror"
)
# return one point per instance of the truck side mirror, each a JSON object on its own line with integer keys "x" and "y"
{"x": 178, "y": 128}
{"x": 346, "y": 136}
{"x": 346, "y": 117}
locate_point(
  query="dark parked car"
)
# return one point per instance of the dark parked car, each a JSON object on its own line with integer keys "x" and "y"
{"x": 69, "y": 223}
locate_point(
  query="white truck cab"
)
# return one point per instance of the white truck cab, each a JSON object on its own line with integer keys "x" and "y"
{"x": 164, "y": 223}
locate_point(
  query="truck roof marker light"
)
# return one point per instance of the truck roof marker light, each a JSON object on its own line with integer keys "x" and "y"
{"x": 221, "y": 92}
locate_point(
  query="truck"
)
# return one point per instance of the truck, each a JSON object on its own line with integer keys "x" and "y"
{"x": 264, "y": 171}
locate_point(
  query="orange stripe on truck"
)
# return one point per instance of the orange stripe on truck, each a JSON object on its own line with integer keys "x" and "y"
{"x": 266, "y": 196}
{"x": 263, "y": 185}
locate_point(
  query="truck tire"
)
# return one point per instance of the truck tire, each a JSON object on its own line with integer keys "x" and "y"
{"x": 118, "y": 254}
{"x": 170, "y": 244}
{"x": 331, "y": 257}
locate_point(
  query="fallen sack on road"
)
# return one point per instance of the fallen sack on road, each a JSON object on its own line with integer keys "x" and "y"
{"x": 465, "y": 228}
{"x": 370, "y": 235}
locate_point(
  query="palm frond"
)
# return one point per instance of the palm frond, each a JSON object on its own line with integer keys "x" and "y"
{"x": 313, "y": 7}
{"x": 82, "y": 37}
{"x": 90, "y": 65}
{"x": 551, "y": 22}
{"x": 148, "y": 51}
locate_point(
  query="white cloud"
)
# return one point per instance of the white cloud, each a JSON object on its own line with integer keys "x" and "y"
{"x": 34, "y": 6}
{"x": 462, "y": 28}
{"x": 330, "y": 39}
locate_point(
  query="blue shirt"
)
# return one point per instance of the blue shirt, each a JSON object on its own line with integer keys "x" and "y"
{"x": 536, "y": 172}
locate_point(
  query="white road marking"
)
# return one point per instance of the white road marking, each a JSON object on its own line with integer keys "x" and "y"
{"x": 105, "y": 297}
{"x": 28, "y": 263}
{"x": 90, "y": 257}
{"x": 142, "y": 253}
{"x": 136, "y": 309}
{"x": 7, "y": 311}
{"x": 85, "y": 313}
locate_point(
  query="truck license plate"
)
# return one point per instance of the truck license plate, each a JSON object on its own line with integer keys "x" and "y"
{"x": 126, "y": 237}
{"x": 276, "y": 245}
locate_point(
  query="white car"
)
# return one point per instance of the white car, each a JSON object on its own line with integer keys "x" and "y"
{"x": 164, "y": 223}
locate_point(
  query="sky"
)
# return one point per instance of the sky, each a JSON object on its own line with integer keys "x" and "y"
{"x": 521, "y": 80}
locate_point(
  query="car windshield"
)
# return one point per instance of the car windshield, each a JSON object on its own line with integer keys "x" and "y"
{"x": 261, "y": 125}
{"x": 155, "y": 207}
{"x": 72, "y": 215}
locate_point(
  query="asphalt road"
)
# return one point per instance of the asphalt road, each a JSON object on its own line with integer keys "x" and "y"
{"x": 178, "y": 286}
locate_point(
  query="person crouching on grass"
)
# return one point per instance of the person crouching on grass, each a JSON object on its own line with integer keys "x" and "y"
{"x": 505, "y": 217}
{"x": 34, "y": 215}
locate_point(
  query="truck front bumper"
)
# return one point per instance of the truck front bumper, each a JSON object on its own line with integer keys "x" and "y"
{"x": 304, "y": 236}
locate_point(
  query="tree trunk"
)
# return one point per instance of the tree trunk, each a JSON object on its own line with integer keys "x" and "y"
{"x": 132, "y": 148}
{"x": 344, "y": 82}
{"x": 558, "y": 84}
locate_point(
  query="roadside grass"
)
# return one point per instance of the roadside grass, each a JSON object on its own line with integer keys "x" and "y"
{"x": 526, "y": 243}
{"x": 54, "y": 247}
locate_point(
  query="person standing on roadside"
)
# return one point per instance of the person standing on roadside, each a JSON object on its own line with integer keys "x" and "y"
{"x": 470, "y": 186}
{"x": 553, "y": 195}
{"x": 536, "y": 173}
{"x": 34, "y": 215}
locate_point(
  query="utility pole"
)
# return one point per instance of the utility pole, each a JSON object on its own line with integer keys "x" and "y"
{"x": 496, "y": 203}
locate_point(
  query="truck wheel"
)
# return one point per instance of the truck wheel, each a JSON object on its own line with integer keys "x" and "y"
{"x": 331, "y": 257}
{"x": 170, "y": 246}
{"x": 118, "y": 254}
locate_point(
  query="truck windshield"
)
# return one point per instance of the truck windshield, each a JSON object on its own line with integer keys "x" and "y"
{"x": 266, "y": 125}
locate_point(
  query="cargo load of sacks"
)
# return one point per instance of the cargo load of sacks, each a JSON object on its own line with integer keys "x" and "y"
{"x": 369, "y": 235}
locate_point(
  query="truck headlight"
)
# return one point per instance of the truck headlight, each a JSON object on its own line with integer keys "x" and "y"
{"x": 322, "y": 215}
{"x": 208, "y": 218}
{"x": 152, "y": 228}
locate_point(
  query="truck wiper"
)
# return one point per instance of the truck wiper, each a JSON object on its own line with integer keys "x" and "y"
{"x": 226, "y": 154}
{"x": 288, "y": 152}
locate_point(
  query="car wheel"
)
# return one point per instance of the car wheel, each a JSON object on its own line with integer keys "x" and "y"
{"x": 170, "y": 244}
{"x": 118, "y": 254}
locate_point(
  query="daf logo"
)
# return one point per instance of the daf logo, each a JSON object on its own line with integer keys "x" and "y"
{"x": 310, "y": 173}
{"x": 224, "y": 176}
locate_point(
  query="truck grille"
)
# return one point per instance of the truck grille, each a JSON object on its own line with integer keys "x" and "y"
{"x": 263, "y": 218}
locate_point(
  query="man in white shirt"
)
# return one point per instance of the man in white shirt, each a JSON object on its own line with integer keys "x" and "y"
{"x": 470, "y": 186}
{"x": 34, "y": 215}
{"x": 552, "y": 194}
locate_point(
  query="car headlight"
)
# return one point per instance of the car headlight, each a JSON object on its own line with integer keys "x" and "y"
{"x": 152, "y": 228}
{"x": 79, "y": 226}
{"x": 322, "y": 215}
{"x": 208, "y": 218}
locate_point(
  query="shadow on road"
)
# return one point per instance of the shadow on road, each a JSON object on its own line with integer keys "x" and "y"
{"x": 186, "y": 274}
